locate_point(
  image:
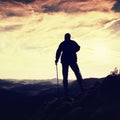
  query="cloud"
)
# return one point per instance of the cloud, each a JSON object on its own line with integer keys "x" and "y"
{"x": 76, "y": 6}
{"x": 10, "y": 28}
{"x": 116, "y": 6}
{"x": 23, "y": 1}
{"x": 12, "y": 10}
{"x": 114, "y": 26}
{"x": 14, "y": 13}
{"x": 21, "y": 7}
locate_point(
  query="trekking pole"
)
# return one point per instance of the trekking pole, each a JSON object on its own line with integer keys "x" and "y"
{"x": 57, "y": 80}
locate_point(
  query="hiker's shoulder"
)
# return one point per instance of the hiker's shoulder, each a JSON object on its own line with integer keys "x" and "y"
{"x": 73, "y": 41}
{"x": 62, "y": 43}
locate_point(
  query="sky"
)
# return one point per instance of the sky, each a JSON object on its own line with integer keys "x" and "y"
{"x": 31, "y": 30}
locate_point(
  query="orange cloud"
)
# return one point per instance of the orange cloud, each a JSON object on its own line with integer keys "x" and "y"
{"x": 75, "y": 5}
{"x": 10, "y": 28}
{"x": 21, "y": 7}
{"x": 12, "y": 9}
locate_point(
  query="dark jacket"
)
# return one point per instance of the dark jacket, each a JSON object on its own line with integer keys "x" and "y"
{"x": 67, "y": 50}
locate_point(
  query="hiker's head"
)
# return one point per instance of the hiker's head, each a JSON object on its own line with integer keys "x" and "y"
{"x": 67, "y": 36}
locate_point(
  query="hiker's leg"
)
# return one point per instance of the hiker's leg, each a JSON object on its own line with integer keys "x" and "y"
{"x": 65, "y": 78}
{"x": 78, "y": 75}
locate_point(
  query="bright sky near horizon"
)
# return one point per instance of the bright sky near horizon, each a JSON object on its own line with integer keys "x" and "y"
{"x": 31, "y": 30}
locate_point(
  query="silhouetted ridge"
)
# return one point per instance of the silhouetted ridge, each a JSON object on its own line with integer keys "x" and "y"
{"x": 111, "y": 86}
{"x": 95, "y": 104}
{"x": 101, "y": 100}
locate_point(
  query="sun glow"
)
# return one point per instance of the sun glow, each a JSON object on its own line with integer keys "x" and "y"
{"x": 101, "y": 53}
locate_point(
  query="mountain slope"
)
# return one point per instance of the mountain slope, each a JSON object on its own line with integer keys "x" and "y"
{"x": 99, "y": 102}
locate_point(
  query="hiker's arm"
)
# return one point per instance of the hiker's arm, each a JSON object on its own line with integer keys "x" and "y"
{"x": 77, "y": 47}
{"x": 58, "y": 53}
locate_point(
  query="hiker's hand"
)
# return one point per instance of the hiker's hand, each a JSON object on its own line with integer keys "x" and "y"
{"x": 56, "y": 61}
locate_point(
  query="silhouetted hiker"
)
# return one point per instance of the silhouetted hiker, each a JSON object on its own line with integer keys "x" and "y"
{"x": 67, "y": 51}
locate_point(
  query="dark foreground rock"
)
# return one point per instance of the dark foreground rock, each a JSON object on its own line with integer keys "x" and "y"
{"x": 101, "y": 101}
